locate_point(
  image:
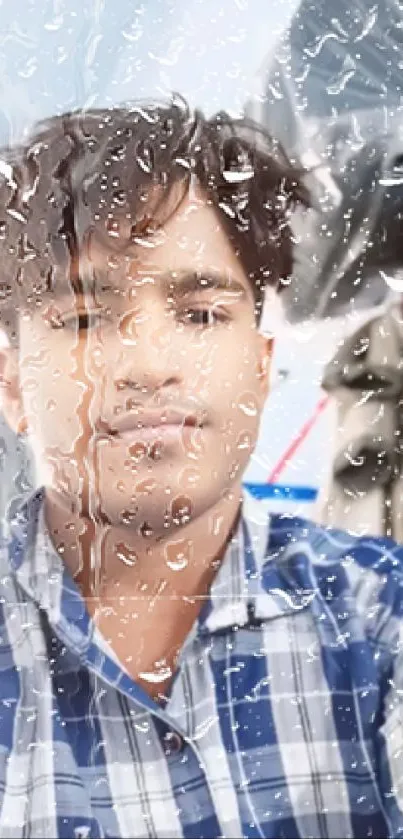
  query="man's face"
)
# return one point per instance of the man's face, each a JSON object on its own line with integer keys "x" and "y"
{"x": 143, "y": 395}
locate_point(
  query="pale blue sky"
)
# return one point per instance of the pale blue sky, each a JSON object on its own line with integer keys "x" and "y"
{"x": 62, "y": 54}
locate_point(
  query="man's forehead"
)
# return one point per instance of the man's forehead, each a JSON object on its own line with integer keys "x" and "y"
{"x": 189, "y": 229}
{"x": 190, "y": 242}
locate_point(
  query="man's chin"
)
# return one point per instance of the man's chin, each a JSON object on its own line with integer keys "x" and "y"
{"x": 156, "y": 515}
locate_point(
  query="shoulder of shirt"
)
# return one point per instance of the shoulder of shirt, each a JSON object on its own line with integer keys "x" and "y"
{"x": 328, "y": 545}
{"x": 367, "y": 571}
{"x": 328, "y": 564}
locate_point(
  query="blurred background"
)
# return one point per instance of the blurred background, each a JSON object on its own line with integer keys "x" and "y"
{"x": 63, "y": 54}
{"x": 325, "y": 77}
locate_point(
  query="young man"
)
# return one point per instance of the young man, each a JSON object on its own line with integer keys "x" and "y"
{"x": 170, "y": 667}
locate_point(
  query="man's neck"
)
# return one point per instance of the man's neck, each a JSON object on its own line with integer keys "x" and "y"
{"x": 145, "y": 600}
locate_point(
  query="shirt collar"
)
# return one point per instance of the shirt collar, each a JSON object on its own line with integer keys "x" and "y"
{"x": 265, "y": 573}
{"x": 256, "y": 581}
{"x": 43, "y": 576}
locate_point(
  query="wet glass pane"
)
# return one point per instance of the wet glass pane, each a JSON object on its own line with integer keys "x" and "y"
{"x": 201, "y": 369}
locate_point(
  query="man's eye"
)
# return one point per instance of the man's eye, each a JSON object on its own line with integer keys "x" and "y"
{"x": 83, "y": 321}
{"x": 204, "y": 317}
{"x": 87, "y": 320}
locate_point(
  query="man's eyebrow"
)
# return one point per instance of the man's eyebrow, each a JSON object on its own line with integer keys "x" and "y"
{"x": 178, "y": 283}
{"x": 80, "y": 283}
{"x": 193, "y": 282}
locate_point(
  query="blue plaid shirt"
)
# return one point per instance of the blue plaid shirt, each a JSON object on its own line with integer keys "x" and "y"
{"x": 285, "y": 718}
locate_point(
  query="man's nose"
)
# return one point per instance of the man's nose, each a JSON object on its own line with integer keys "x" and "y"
{"x": 148, "y": 359}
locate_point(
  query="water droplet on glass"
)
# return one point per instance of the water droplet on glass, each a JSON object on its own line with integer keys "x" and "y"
{"x": 178, "y": 554}
{"x": 145, "y": 156}
{"x": 127, "y": 328}
{"x": 118, "y": 153}
{"x": 347, "y": 71}
{"x": 128, "y": 516}
{"x": 133, "y": 405}
{"x": 156, "y": 450}
{"x": 119, "y": 197}
{"x": 38, "y": 360}
{"x": 137, "y": 451}
{"x": 54, "y": 24}
{"x": 126, "y": 554}
{"x": 134, "y": 33}
{"x": 235, "y": 468}
{"x": 53, "y": 318}
{"x": 181, "y": 510}
{"x": 70, "y": 525}
{"x": 247, "y": 404}
{"x": 112, "y": 228}
{"x": 244, "y": 441}
{"x": 178, "y": 564}
{"x": 161, "y": 673}
{"x": 146, "y": 530}
{"x": 233, "y": 176}
{"x": 30, "y": 385}
{"x": 193, "y": 442}
{"x": 362, "y": 346}
{"x": 168, "y": 126}
{"x": 146, "y": 487}
{"x": 25, "y": 251}
{"x": 5, "y": 291}
{"x": 113, "y": 262}
{"x": 29, "y": 68}
{"x": 218, "y": 522}
{"x": 189, "y": 478}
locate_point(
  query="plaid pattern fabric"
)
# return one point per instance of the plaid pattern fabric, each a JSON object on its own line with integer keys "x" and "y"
{"x": 285, "y": 718}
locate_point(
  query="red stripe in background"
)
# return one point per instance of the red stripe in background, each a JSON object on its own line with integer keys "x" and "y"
{"x": 297, "y": 441}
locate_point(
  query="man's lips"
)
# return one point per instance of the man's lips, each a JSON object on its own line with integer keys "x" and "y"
{"x": 149, "y": 424}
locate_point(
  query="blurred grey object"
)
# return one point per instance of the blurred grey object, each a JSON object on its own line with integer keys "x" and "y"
{"x": 332, "y": 93}
{"x": 365, "y": 452}
{"x": 370, "y": 359}
{"x": 366, "y": 492}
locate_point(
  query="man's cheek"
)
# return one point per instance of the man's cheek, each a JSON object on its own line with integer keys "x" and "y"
{"x": 55, "y": 413}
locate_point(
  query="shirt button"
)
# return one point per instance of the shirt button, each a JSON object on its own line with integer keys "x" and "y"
{"x": 172, "y": 743}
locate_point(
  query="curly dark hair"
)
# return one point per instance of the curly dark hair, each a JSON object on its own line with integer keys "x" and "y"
{"x": 122, "y": 173}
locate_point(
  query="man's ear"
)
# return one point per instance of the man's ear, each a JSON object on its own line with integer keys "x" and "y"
{"x": 11, "y": 401}
{"x": 266, "y": 347}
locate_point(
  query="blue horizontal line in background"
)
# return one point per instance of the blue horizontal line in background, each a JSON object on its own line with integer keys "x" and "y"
{"x": 280, "y": 492}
